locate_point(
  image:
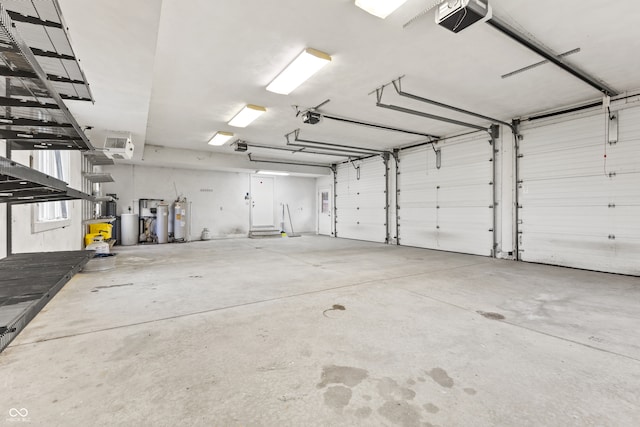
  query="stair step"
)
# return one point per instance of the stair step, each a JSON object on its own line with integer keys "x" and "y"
{"x": 262, "y": 233}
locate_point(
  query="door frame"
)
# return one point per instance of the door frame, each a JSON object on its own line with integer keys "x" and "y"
{"x": 251, "y": 192}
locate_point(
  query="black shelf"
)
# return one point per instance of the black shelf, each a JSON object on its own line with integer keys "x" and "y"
{"x": 20, "y": 184}
{"x": 40, "y": 71}
{"x": 28, "y": 282}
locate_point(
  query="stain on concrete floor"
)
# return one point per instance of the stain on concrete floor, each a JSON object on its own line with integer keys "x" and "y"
{"x": 440, "y": 376}
{"x": 335, "y": 307}
{"x": 337, "y": 397}
{"x": 346, "y": 375}
{"x": 401, "y": 413}
{"x": 491, "y": 315}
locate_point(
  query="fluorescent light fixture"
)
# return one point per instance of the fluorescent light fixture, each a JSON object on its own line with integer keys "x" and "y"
{"x": 309, "y": 62}
{"x": 247, "y": 115}
{"x": 273, "y": 173}
{"x": 220, "y": 138}
{"x": 380, "y": 8}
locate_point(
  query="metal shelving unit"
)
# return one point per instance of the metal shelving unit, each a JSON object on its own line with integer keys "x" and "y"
{"x": 40, "y": 71}
{"x": 20, "y": 184}
{"x": 98, "y": 177}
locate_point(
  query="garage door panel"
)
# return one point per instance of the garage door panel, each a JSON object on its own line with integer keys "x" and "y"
{"x": 545, "y": 167}
{"x": 579, "y": 209}
{"x": 567, "y": 220}
{"x": 426, "y": 215}
{"x": 626, "y": 226}
{"x": 448, "y": 208}
{"x": 572, "y": 134}
{"x": 570, "y": 250}
{"x": 361, "y": 200}
{"x": 586, "y": 191}
{"x": 629, "y": 130}
{"x": 466, "y": 195}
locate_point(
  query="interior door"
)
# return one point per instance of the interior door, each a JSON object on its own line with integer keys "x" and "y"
{"x": 262, "y": 204}
{"x": 324, "y": 211}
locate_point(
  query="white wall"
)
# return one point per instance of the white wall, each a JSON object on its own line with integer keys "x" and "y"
{"x": 300, "y": 195}
{"x": 217, "y": 198}
{"x": 61, "y": 239}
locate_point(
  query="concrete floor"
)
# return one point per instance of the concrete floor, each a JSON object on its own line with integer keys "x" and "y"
{"x": 245, "y": 333}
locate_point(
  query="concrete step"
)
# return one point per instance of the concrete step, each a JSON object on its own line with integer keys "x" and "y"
{"x": 264, "y": 233}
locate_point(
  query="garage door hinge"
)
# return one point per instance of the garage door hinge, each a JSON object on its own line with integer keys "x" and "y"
{"x": 491, "y": 230}
{"x": 612, "y": 205}
{"x": 519, "y": 206}
{"x": 612, "y": 237}
{"x": 520, "y": 156}
{"x": 491, "y": 207}
{"x": 612, "y": 174}
{"x": 491, "y": 183}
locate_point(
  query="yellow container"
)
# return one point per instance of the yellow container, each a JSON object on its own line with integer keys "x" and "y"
{"x": 88, "y": 238}
{"x": 104, "y": 229}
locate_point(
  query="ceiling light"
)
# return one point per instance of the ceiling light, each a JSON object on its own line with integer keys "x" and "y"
{"x": 248, "y": 114}
{"x": 309, "y": 62}
{"x": 380, "y": 8}
{"x": 273, "y": 173}
{"x": 220, "y": 138}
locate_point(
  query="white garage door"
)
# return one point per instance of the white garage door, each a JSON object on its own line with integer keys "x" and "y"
{"x": 579, "y": 209}
{"x": 450, "y": 208}
{"x": 361, "y": 200}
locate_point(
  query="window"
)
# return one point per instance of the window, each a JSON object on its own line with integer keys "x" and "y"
{"x": 50, "y": 215}
{"x": 325, "y": 202}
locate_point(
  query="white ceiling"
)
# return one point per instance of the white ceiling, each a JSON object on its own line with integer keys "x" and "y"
{"x": 213, "y": 57}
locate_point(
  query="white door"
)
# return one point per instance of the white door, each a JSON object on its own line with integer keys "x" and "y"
{"x": 448, "y": 207}
{"x": 579, "y": 208}
{"x": 324, "y": 211}
{"x": 262, "y": 205}
{"x": 361, "y": 204}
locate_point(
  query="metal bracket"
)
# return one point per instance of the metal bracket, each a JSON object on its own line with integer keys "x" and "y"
{"x": 613, "y": 127}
